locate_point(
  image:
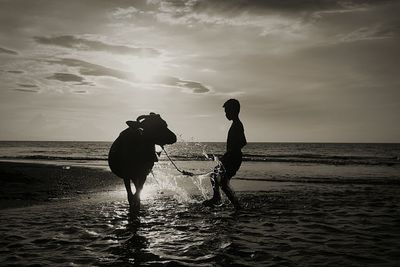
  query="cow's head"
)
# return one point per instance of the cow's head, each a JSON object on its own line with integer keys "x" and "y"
{"x": 156, "y": 129}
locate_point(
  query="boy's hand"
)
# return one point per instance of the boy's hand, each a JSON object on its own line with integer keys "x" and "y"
{"x": 187, "y": 173}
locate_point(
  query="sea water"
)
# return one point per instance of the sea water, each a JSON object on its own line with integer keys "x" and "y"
{"x": 304, "y": 205}
{"x": 298, "y": 162}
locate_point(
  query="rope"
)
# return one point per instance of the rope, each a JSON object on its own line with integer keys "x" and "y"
{"x": 182, "y": 171}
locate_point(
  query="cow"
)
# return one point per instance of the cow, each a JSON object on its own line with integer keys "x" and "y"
{"x": 132, "y": 154}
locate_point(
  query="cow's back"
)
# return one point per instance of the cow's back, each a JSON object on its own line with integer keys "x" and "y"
{"x": 131, "y": 155}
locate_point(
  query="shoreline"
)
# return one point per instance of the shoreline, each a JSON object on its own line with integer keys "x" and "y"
{"x": 26, "y": 184}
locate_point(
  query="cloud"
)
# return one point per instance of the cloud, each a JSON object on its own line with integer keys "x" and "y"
{"x": 124, "y": 13}
{"x": 15, "y": 71}
{"x": 289, "y": 17}
{"x": 247, "y": 14}
{"x": 70, "y": 41}
{"x": 90, "y": 69}
{"x": 8, "y": 51}
{"x": 371, "y": 33}
{"x": 267, "y": 24}
{"x": 234, "y": 7}
{"x": 27, "y": 85}
{"x": 195, "y": 87}
{"x": 191, "y": 86}
{"x": 26, "y": 90}
{"x": 66, "y": 77}
{"x": 80, "y": 92}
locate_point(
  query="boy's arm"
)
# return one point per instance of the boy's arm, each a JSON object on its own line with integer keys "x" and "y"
{"x": 241, "y": 139}
{"x": 238, "y": 137}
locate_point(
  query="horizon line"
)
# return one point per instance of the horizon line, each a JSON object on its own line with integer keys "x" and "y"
{"x": 293, "y": 142}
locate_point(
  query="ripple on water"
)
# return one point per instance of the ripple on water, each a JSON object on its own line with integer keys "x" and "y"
{"x": 275, "y": 228}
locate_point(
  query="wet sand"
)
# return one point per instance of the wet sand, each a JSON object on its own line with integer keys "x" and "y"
{"x": 282, "y": 224}
{"x": 25, "y": 184}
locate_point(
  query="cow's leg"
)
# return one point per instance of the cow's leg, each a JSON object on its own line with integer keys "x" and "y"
{"x": 139, "y": 182}
{"x": 131, "y": 198}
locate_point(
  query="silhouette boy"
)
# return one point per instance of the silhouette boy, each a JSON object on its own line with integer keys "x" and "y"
{"x": 231, "y": 160}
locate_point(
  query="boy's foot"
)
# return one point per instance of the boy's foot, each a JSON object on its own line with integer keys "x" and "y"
{"x": 212, "y": 202}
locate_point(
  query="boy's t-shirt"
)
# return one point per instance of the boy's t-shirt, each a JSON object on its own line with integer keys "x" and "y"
{"x": 232, "y": 159}
{"x": 236, "y": 138}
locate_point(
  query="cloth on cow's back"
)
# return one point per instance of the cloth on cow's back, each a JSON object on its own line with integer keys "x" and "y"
{"x": 131, "y": 154}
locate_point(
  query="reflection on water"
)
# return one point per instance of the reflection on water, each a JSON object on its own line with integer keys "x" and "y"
{"x": 289, "y": 227}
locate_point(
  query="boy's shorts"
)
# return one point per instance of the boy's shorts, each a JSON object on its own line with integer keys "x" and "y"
{"x": 231, "y": 162}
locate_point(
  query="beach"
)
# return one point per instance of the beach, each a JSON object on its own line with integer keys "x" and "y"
{"x": 291, "y": 108}
{"x": 58, "y": 215}
{"x": 24, "y": 184}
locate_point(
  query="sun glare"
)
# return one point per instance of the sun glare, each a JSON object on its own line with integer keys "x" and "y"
{"x": 149, "y": 190}
{"x": 145, "y": 69}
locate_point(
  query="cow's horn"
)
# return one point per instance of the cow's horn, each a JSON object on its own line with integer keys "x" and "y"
{"x": 141, "y": 117}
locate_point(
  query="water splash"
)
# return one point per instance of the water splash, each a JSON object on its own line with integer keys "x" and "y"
{"x": 198, "y": 182}
{"x": 183, "y": 188}
{"x": 205, "y": 154}
{"x": 186, "y": 189}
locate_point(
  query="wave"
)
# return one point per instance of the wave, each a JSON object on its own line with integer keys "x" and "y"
{"x": 305, "y": 158}
{"x": 284, "y": 158}
{"x": 46, "y": 157}
{"x": 325, "y": 159}
{"x": 340, "y": 180}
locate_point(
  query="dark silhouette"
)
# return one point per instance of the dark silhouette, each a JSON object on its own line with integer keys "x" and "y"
{"x": 132, "y": 155}
{"x": 231, "y": 160}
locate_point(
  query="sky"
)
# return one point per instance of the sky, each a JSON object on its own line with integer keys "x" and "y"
{"x": 303, "y": 70}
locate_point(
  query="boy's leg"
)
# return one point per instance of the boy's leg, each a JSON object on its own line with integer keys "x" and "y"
{"x": 232, "y": 165}
{"x": 215, "y": 185}
{"x": 226, "y": 187}
{"x": 216, "y": 198}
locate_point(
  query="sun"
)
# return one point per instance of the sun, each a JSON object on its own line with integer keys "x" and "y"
{"x": 145, "y": 69}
